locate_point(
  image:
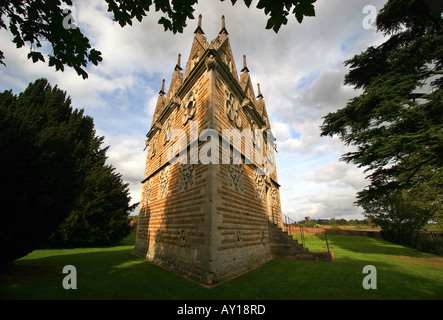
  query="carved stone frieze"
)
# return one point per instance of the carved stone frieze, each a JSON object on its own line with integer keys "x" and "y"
{"x": 153, "y": 146}
{"x": 260, "y": 186}
{"x": 236, "y": 176}
{"x": 148, "y": 191}
{"x": 232, "y": 108}
{"x": 189, "y": 105}
{"x": 182, "y": 239}
{"x": 211, "y": 62}
{"x": 275, "y": 195}
{"x": 186, "y": 176}
{"x": 158, "y": 235}
{"x": 163, "y": 183}
{"x": 238, "y": 239}
{"x": 167, "y": 126}
{"x": 143, "y": 234}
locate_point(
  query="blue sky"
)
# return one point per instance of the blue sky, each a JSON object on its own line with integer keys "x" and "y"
{"x": 300, "y": 71}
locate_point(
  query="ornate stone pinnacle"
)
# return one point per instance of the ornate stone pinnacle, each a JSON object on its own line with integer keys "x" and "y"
{"x": 245, "y": 68}
{"x": 259, "y": 92}
{"x": 199, "y": 26}
{"x": 162, "y": 91}
{"x": 223, "y": 28}
{"x": 177, "y": 66}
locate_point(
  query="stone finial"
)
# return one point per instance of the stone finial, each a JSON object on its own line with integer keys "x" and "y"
{"x": 245, "y": 68}
{"x": 259, "y": 92}
{"x": 199, "y": 26}
{"x": 177, "y": 66}
{"x": 223, "y": 28}
{"x": 162, "y": 91}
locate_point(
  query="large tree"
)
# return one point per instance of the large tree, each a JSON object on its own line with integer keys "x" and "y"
{"x": 34, "y": 21}
{"x": 53, "y": 172}
{"x": 396, "y": 123}
{"x": 43, "y": 142}
{"x": 100, "y": 215}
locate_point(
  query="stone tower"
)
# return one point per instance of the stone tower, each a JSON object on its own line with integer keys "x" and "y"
{"x": 210, "y": 207}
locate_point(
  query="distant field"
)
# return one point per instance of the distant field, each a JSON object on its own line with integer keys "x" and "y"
{"x": 114, "y": 273}
{"x": 362, "y": 227}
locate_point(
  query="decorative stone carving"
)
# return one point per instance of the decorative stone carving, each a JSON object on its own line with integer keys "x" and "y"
{"x": 189, "y": 105}
{"x": 158, "y": 235}
{"x": 143, "y": 235}
{"x": 148, "y": 191}
{"x": 195, "y": 60}
{"x": 167, "y": 126}
{"x": 263, "y": 237}
{"x": 153, "y": 146}
{"x": 186, "y": 176}
{"x": 274, "y": 195}
{"x": 236, "y": 176}
{"x": 211, "y": 63}
{"x": 163, "y": 183}
{"x": 228, "y": 62}
{"x": 260, "y": 186}
{"x": 176, "y": 100}
{"x": 255, "y": 133}
{"x": 182, "y": 239}
{"x": 238, "y": 239}
{"x": 232, "y": 108}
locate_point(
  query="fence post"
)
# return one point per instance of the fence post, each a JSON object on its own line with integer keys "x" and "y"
{"x": 302, "y": 236}
{"x": 327, "y": 243}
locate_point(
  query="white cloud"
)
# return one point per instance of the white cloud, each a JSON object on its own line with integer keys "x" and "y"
{"x": 338, "y": 175}
{"x": 126, "y": 154}
{"x": 332, "y": 204}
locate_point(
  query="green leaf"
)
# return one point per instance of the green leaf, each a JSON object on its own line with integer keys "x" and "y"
{"x": 36, "y": 56}
{"x": 304, "y": 8}
{"x": 95, "y": 56}
{"x": 167, "y": 24}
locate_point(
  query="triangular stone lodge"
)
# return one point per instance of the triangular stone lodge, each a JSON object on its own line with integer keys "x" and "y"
{"x": 211, "y": 222}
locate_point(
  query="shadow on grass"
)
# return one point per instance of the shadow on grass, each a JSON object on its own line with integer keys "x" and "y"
{"x": 115, "y": 273}
{"x": 364, "y": 244}
{"x": 112, "y": 274}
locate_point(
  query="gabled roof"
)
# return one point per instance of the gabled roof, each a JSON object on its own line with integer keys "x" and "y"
{"x": 161, "y": 103}
{"x": 177, "y": 79}
{"x": 245, "y": 81}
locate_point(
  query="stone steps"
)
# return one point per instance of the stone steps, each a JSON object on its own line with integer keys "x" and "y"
{"x": 283, "y": 246}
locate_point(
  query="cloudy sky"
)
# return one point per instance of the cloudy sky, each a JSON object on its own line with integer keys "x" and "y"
{"x": 300, "y": 71}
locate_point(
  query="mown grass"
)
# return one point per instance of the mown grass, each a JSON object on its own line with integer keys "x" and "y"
{"x": 115, "y": 273}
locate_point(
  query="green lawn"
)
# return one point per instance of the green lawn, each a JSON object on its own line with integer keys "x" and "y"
{"x": 114, "y": 273}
